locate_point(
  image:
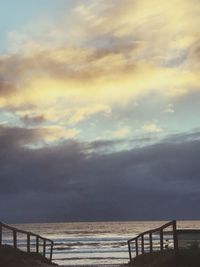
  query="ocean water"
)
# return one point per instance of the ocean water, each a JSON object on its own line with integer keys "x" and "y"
{"x": 91, "y": 243}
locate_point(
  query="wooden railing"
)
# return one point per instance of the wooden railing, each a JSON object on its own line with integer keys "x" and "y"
{"x": 30, "y": 242}
{"x": 154, "y": 240}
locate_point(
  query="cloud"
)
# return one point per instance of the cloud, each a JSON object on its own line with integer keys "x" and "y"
{"x": 56, "y": 85}
{"x": 83, "y": 113}
{"x": 184, "y": 137}
{"x": 169, "y": 108}
{"x": 31, "y": 120}
{"x": 34, "y": 137}
{"x": 52, "y": 134}
{"x": 192, "y": 62}
{"x": 68, "y": 177}
{"x": 114, "y": 54}
{"x": 6, "y": 89}
{"x": 122, "y": 133}
{"x": 152, "y": 128}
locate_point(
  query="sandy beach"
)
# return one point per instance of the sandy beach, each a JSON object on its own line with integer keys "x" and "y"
{"x": 10, "y": 257}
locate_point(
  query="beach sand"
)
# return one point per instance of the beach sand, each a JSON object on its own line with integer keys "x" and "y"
{"x": 10, "y": 257}
{"x": 168, "y": 258}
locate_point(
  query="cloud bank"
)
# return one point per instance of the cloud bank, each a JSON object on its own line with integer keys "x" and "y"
{"x": 77, "y": 182}
{"x": 99, "y": 113}
{"x": 98, "y": 57}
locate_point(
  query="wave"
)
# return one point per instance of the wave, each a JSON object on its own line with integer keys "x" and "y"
{"x": 81, "y": 251}
{"x": 61, "y": 245}
{"x": 91, "y": 243}
{"x": 90, "y": 258}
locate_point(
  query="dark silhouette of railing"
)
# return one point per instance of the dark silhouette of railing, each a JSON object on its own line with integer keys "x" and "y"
{"x": 33, "y": 242}
{"x": 157, "y": 239}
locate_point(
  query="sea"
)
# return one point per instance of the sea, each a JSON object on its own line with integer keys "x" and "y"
{"x": 92, "y": 243}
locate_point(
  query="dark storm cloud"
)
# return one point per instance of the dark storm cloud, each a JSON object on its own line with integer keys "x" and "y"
{"x": 16, "y": 137}
{"x": 68, "y": 182}
{"x": 105, "y": 145}
{"x": 184, "y": 137}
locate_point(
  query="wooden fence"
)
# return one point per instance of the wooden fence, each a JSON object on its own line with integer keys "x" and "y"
{"x": 33, "y": 243}
{"x": 157, "y": 239}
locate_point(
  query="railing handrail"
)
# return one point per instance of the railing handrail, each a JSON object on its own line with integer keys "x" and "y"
{"x": 29, "y": 234}
{"x": 23, "y": 232}
{"x": 150, "y": 239}
{"x": 152, "y": 231}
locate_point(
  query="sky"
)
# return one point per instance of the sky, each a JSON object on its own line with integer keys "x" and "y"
{"x": 99, "y": 110}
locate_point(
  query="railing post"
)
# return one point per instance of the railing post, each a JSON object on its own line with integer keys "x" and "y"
{"x": 129, "y": 251}
{"x": 44, "y": 247}
{"x": 136, "y": 246}
{"x": 15, "y": 239}
{"x": 28, "y": 242}
{"x": 51, "y": 251}
{"x": 150, "y": 242}
{"x": 37, "y": 244}
{"x": 161, "y": 239}
{"x": 175, "y": 238}
{"x": 142, "y": 244}
{"x": 1, "y": 233}
{"x": 142, "y": 240}
{"x": 15, "y": 232}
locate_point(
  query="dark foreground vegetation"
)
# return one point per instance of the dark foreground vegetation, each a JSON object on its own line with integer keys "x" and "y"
{"x": 167, "y": 259}
{"x": 10, "y": 257}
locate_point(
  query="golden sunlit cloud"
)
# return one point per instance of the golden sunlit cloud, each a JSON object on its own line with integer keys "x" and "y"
{"x": 56, "y": 133}
{"x": 116, "y": 53}
{"x": 151, "y": 127}
{"x": 122, "y": 133}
